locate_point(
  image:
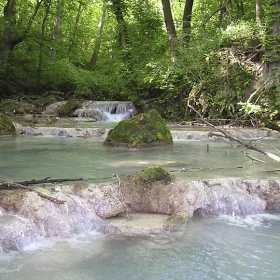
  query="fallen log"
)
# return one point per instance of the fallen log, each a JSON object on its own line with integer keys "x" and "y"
{"x": 10, "y": 185}
{"x": 227, "y": 135}
{"x": 48, "y": 180}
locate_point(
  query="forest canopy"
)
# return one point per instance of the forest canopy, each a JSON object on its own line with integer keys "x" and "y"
{"x": 221, "y": 55}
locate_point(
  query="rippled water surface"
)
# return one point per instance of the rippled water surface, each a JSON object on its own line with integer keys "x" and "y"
{"x": 36, "y": 157}
{"x": 205, "y": 248}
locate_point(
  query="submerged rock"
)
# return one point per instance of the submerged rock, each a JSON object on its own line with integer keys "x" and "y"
{"x": 6, "y": 125}
{"x": 143, "y": 131}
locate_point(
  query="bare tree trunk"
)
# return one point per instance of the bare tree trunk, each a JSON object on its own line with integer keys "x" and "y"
{"x": 57, "y": 25}
{"x": 81, "y": 8}
{"x": 170, "y": 28}
{"x": 240, "y": 8}
{"x": 98, "y": 37}
{"x": 41, "y": 46}
{"x": 123, "y": 34}
{"x": 187, "y": 19}
{"x": 259, "y": 12}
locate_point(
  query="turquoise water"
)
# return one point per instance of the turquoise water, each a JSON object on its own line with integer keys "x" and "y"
{"x": 35, "y": 157}
{"x": 205, "y": 248}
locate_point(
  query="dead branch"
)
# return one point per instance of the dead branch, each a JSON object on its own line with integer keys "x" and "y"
{"x": 264, "y": 87}
{"x": 121, "y": 197}
{"x": 47, "y": 181}
{"x": 227, "y": 135}
{"x": 8, "y": 185}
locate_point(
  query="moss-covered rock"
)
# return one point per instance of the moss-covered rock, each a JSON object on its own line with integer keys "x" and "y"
{"x": 144, "y": 179}
{"x": 148, "y": 191}
{"x": 67, "y": 109}
{"x": 6, "y": 125}
{"x": 143, "y": 131}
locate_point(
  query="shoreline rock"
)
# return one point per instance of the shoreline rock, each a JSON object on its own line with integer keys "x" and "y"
{"x": 122, "y": 208}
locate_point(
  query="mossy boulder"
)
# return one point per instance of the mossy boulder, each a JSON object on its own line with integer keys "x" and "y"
{"x": 143, "y": 131}
{"x": 67, "y": 109}
{"x": 149, "y": 191}
{"x": 144, "y": 179}
{"x": 6, "y": 125}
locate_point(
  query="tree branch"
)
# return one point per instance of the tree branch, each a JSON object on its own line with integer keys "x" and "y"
{"x": 8, "y": 185}
{"x": 227, "y": 135}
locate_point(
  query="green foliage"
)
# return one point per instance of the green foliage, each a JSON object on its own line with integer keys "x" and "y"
{"x": 6, "y": 125}
{"x": 9, "y": 105}
{"x": 250, "y": 108}
{"x": 242, "y": 33}
{"x": 214, "y": 70}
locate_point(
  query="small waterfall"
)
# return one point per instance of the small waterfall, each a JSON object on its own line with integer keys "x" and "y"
{"x": 62, "y": 132}
{"x": 230, "y": 197}
{"x": 202, "y": 134}
{"x": 105, "y": 110}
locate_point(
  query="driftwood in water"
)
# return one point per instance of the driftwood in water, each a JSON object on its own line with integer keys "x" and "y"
{"x": 25, "y": 186}
{"x": 12, "y": 185}
{"x": 47, "y": 180}
{"x": 227, "y": 135}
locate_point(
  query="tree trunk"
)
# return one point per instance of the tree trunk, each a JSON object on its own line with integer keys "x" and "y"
{"x": 8, "y": 40}
{"x": 57, "y": 25}
{"x": 187, "y": 19}
{"x": 41, "y": 45}
{"x": 259, "y": 12}
{"x": 98, "y": 37}
{"x": 123, "y": 34}
{"x": 240, "y": 8}
{"x": 170, "y": 28}
{"x": 77, "y": 21}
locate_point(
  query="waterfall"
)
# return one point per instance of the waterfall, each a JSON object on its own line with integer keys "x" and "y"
{"x": 230, "y": 197}
{"x": 105, "y": 110}
{"x": 62, "y": 132}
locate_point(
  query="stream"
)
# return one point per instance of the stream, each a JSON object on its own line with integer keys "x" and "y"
{"x": 207, "y": 247}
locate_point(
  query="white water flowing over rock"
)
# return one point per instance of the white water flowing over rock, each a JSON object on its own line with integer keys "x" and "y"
{"x": 202, "y": 133}
{"x": 105, "y": 110}
{"x": 61, "y": 132}
{"x": 24, "y": 215}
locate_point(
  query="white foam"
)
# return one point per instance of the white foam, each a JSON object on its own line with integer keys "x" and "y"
{"x": 251, "y": 221}
{"x": 78, "y": 240}
{"x": 40, "y": 243}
